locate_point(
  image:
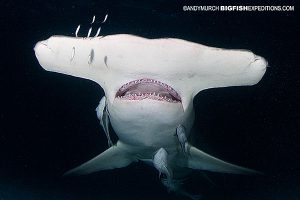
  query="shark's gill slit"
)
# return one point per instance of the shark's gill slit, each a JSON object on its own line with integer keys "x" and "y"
{"x": 148, "y": 89}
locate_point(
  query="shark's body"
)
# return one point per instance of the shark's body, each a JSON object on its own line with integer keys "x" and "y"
{"x": 149, "y": 87}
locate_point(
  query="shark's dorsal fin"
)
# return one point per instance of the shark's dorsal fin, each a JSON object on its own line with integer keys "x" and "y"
{"x": 117, "y": 156}
{"x": 202, "y": 161}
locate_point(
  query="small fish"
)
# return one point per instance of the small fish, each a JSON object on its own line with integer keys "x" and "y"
{"x": 89, "y": 33}
{"x": 98, "y": 32}
{"x": 77, "y": 30}
{"x": 94, "y": 17}
{"x": 160, "y": 162}
{"x": 105, "y": 18}
{"x": 180, "y": 132}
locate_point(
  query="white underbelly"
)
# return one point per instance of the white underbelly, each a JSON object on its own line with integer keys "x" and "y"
{"x": 139, "y": 135}
{"x": 149, "y": 123}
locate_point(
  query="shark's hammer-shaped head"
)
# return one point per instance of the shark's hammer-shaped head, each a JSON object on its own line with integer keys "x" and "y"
{"x": 126, "y": 64}
{"x": 149, "y": 77}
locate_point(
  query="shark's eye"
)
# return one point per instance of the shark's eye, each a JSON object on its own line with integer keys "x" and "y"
{"x": 148, "y": 89}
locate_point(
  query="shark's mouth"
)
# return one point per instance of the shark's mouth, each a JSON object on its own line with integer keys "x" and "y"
{"x": 148, "y": 89}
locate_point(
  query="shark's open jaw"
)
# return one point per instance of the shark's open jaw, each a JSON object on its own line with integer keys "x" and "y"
{"x": 148, "y": 89}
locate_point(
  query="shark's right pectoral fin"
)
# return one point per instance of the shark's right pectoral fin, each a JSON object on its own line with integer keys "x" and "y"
{"x": 201, "y": 160}
{"x": 117, "y": 156}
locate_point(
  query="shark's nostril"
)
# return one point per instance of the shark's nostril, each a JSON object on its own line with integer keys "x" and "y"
{"x": 259, "y": 63}
{"x": 44, "y": 42}
{"x": 40, "y": 44}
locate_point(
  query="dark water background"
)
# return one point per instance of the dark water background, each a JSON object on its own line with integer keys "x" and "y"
{"x": 48, "y": 124}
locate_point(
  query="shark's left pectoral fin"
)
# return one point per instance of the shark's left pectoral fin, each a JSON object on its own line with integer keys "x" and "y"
{"x": 117, "y": 156}
{"x": 202, "y": 161}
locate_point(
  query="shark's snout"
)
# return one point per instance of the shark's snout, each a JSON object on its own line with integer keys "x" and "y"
{"x": 259, "y": 63}
{"x": 40, "y": 44}
{"x": 44, "y": 54}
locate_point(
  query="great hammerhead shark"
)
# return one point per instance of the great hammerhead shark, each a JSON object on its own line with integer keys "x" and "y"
{"x": 149, "y": 87}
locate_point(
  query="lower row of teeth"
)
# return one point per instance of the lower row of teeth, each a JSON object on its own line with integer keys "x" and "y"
{"x": 147, "y": 95}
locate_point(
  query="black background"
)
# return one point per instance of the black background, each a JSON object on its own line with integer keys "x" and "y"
{"x": 48, "y": 123}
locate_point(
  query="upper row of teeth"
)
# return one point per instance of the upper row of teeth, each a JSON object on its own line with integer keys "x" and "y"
{"x": 146, "y": 81}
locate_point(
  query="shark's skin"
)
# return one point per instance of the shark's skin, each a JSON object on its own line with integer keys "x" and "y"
{"x": 146, "y": 124}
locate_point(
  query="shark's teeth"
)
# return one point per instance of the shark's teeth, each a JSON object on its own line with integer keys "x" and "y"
{"x": 141, "y": 96}
{"x": 128, "y": 91}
